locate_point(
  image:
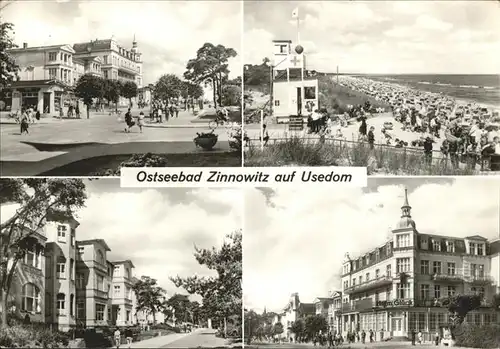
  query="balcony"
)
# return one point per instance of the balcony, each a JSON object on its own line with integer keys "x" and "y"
{"x": 369, "y": 285}
{"x": 480, "y": 280}
{"x": 456, "y": 278}
{"x": 129, "y": 70}
{"x": 363, "y": 304}
{"x": 100, "y": 294}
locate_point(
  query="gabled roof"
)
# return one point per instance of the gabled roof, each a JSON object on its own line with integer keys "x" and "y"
{"x": 307, "y": 308}
{"x": 127, "y": 261}
{"x": 322, "y": 299}
{"x": 94, "y": 241}
{"x": 336, "y": 294}
{"x": 476, "y": 237}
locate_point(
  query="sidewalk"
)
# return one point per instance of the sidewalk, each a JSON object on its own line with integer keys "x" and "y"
{"x": 184, "y": 120}
{"x": 160, "y": 341}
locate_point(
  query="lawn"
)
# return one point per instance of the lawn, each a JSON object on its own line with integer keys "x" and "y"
{"x": 109, "y": 165}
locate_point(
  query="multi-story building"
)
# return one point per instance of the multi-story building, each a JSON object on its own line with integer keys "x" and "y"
{"x": 48, "y": 73}
{"x": 60, "y": 257}
{"x": 334, "y": 309}
{"x": 122, "y": 307}
{"x": 93, "y": 283}
{"x": 293, "y": 311}
{"x": 397, "y": 287}
{"x": 322, "y": 304}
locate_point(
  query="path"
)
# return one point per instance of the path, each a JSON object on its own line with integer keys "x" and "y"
{"x": 203, "y": 338}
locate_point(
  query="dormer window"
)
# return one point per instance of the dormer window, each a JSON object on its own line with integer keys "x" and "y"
{"x": 436, "y": 245}
{"x": 480, "y": 249}
{"x": 472, "y": 248}
{"x": 367, "y": 259}
{"x": 450, "y": 246}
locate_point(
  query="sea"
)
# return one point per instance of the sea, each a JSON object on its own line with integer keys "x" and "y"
{"x": 482, "y": 89}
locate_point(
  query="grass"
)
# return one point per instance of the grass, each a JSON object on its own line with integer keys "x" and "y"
{"x": 109, "y": 165}
{"x": 297, "y": 151}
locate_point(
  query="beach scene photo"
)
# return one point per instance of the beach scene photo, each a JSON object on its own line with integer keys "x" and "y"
{"x": 401, "y": 87}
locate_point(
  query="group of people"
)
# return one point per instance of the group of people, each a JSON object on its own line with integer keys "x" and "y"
{"x": 129, "y": 121}
{"x": 163, "y": 111}
{"x": 28, "y": 115}
{"x": 128, "y": 334}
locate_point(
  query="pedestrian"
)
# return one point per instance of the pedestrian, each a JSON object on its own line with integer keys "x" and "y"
{"x": 420, "y": 339}
{"x": 413, "y": 335}
{"x": 118, "y": 338}
{"x": 371, "y": 137}
{"x": 140, "y": 121}
{"x": 37, "y": 115}
{"x": 176, "y": 111}
{"x": 129, "y": 121}
{"x": 128, "y": 336}
{"x": 428, "y": 150}
{"x": 436, "y": 338}
{"x": 24, "y": 122}
{"x": 77, "y": 111}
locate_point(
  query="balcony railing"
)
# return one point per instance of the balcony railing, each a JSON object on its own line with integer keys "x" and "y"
{"x": 360, "y": 305}
{"x": 480, "y": 280}
{"x": 438, "y": 303}
{"x": 368, "y": 285}
{"x": 447, "y": 277}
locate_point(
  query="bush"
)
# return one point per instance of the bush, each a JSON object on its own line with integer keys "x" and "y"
{"x": 32, "y": 336}
{"x": 474, "y": 336}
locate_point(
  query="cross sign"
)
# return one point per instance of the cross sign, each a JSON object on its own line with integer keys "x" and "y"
{"x": 295, "y": 60}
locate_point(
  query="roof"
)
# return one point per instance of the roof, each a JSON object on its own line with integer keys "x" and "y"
{"x": 61, "y": 217}
{"x": 94, "y": 241}
{"x": 307, "y": 307}
{"x": 287, "y": 41}
{"x": 322, "y": 299}
{"x": 43, "y": 48}
{"x": 476, "y": 237}
{"x": 127, "y": 261}
{"x": 92, "y": 45}
{"x": 34, "y": 83}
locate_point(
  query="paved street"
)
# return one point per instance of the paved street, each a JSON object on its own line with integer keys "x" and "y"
{"x": 55, "y": 142}
{"x": 200, "y": 339}
{"x": 381, "y": 345}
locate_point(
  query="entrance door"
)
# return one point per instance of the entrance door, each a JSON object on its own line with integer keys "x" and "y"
{"x": 397, "y": 326}
{"x": 46, "y": 102}
{"x": 299, "y": 101}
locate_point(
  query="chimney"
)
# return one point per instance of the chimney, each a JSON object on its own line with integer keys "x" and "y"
{"x": 25, "y": 45}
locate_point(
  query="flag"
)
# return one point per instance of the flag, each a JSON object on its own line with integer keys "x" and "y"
{"x": 295, "y": 13}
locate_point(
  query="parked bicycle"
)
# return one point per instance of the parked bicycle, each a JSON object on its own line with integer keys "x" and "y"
{"x": 221, "y": 118}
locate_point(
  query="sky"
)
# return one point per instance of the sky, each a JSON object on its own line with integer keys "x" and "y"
{"x": 168, "y": 33}
{"x": 157, "y": 229}
{"x": 380, "y": 37}
{"x": 295, "y": 239}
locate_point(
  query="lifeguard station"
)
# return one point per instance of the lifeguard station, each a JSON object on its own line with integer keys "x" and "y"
{"x": 294, "y": 90}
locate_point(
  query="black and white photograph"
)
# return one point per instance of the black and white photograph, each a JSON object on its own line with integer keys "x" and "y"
{"x": 87, "y": 86}
{"x": 87, "y": 264}
{"x": 403, "y": 261}
{"x": 399, "y": 87}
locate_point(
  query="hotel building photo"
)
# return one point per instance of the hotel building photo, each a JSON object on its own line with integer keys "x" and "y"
{"x": 66, "y": 282}
{"x": 48, "y": 74}
{"x": 398, "y": 287}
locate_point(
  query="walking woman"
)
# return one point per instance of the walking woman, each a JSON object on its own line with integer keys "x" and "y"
{"x": 140, "y": 121}
{"x": 24, "y": 122}
{"x": 129, "y": 121}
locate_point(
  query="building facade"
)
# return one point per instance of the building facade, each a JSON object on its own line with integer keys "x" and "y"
{"x": 47, "y": 74}
{"x": 398, "y": 287}
{"x": 122, "y": 302}
{"x": 293, "y": 311}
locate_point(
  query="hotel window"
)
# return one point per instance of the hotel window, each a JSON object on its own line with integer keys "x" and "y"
{"x": 451, "y": 269}
{"x": 403, "y": 240}
{"x": 100, "y": 257}
{"x": 478, "y": 291}
{"x": 117, "y": 271}
{"x": 480, "y": 270}
{"x": 80, "y": 280}
{"x": 71, "y": 302}
{"x": 367, "y": 276}
{"x": 403, "y": 291}
{"x": 100, "y": 283}
{"x": 52, "y": 56}
{"x": 425, "y": 292}
{"x": 71, "y": 268}
{"x": 117, "y": 290}
{"x": 105, "y": 74}
{"x": 31, "y": 299}
{"x": 80, "y": 310}
{"x": 128, "y": 315}
{"x": 377, "y": 273}
{"x": 61, "y": 269}
{"x": 388, "y": 294}
{"x": 472, "y": 248}
{"x": 436, "y": 267}
{"x": 388, "y": 270}
{"x": 72, "y": 237}
{"x": 423, "y": 243}
{"x": 402, "y": 265}
{"x": 388, "y": 249}
{"x": 451, "y": 291}
{"x": 424, "y": 267}
{"x": 61, "y": 303}
{"x": 480, "y": 249}
{"x": 437, "y": 291}
{"x": 61, "y": 233}
{"x": 436, "y": 245}
{"x": 353, "y": 282}
{"x": 360, "y": 279}
{"x": 346, "y": 283}
{"x": 61, "y": 54}
{"x": 450, "y": 246}
{"x": 99, "y": 312}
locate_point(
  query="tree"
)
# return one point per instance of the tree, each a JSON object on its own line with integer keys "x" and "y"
{"x": 459, "y": 306}
{"x": 8, "y": 64}
{"x": 210, "y": 66}
{"x": 149, "y": 296}
{"x": 222, "y": 293}
{"x": 129, "y": 90}
{"x": 315, "y": 324}
{"x": 252, "y": 324}
{"x": 278, "y": 329}
{"x": 88, "y": 88}
{"x": 180, "y": 306}
{"x": 257, "y": 75}
{"x": 231, "y": 95}
{"x": 167, "y": 87}
{"x": 38, "y": 201}
{"x": 112, "y": 91}
{"x": 299, "y": 328}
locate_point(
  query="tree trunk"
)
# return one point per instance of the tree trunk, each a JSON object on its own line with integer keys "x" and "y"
{"x": 154, "y": 318}
{"x": 220, "y": 89}
{"x": 4, "y": 309}
{"x": 214, "y": 86}
{"x": 225, "y": 327}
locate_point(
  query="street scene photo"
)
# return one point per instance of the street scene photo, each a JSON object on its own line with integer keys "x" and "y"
{"x": 401, "y": 262}
{"x": 399, "y": 87}
{"x": 88, "y": 87}
{"x": 87, "y": 264}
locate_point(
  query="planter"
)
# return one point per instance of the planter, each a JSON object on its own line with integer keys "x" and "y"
{"x": 206, "y": 141}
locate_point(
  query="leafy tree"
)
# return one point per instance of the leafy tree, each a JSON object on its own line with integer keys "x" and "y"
{"x": 496, "y": 301}
{"x": 112, "y": 91}
{"x": 129, "y": 90}
{"x": 252, "y": 323}
{"x": 149, "y": 296}
{"x": 278, "y": 329}
{"x": 314, "y": 324}
{"x": 180, "y": 306}
{"x": 222, "y": 293}
{"x": 459, "y": 306}
{"x": 298, "y": 328}
{"x": 88, "y": 88}
{"x": 210, "y": 66}
{"x": 39, "y": 200}
{"x": 167, "y": 87}
{"x": 8, "y": 64}
{"x": 231, "y": 95}
{"x": 257, "y": 75}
